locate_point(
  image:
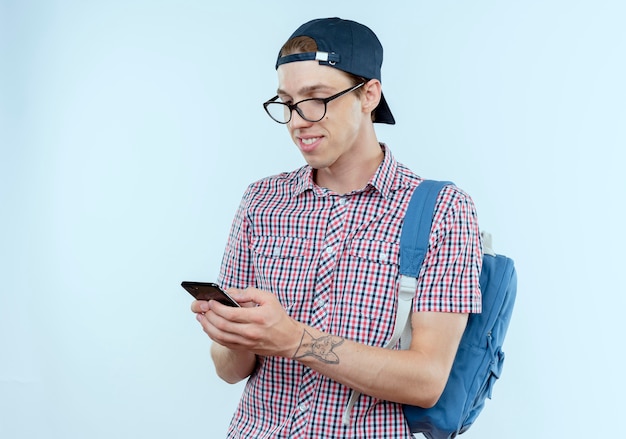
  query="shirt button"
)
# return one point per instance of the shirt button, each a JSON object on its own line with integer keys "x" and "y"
{"x": 342, "y": 201}
{"x": 383, "y": 256}
{"x": 330, "y": 250}
{"x": 303, "y": 407}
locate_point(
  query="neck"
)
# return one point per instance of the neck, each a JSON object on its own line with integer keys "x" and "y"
{"x": 351, "y": 173}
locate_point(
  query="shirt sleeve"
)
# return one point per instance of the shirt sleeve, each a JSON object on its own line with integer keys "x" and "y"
{"x": 450, "y": 274}
{"x": 237, "y": 270}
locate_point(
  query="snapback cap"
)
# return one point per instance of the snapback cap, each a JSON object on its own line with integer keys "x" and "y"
{"x": 348, "y": 46}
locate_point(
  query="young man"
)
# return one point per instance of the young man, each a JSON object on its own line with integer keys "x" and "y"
{"x": 312, "y": 257}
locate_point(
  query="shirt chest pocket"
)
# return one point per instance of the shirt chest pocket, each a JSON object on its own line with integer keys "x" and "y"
{"x": 377, "y": 252}
{"x": 370, "y": 289}
{"x": 280, "y": 247}
{"x": 280, "y": 264}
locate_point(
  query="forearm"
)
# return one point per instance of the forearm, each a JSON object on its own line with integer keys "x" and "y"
{"x": 415, "y": 376}
{"x": 399, "y": 376}
{"x": 232, "y": 366}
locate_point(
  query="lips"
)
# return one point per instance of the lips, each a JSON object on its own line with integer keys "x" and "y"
{"x": 308, "y": 144}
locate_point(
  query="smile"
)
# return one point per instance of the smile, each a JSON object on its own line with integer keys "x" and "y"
{"x": 310, "y": 141}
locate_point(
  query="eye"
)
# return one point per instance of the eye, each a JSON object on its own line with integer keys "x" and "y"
{"x": 285, "y": 100}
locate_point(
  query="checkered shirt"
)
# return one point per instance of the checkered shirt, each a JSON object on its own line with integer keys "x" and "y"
{"x": 332, "y": 261}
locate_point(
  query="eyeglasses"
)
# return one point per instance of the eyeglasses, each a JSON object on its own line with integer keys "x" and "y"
{"x": 311, "y": 110}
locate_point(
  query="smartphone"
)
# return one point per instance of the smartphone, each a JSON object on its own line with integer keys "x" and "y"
{"x": 208, "y": 291}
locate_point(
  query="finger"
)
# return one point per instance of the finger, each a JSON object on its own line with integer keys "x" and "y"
{"x": 199, "y": 306}
{"x": 251, "y": 295}
{"x": 240, "y": 296}
{"x": 222, "y": 331}
{"x": 229, "y": 313}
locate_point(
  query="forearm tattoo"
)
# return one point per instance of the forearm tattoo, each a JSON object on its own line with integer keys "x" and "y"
{"x": 320, "y": 348}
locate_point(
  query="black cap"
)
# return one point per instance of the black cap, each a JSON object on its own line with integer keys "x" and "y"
{"x": 345, "y": 45}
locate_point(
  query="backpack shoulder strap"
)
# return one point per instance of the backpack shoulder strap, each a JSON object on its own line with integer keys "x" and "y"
{"x": 417, "y": 224}
{"x": 414, "y": 241}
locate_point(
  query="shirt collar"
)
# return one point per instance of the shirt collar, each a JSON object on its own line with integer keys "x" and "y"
{"x": 385, "y": 180}
{"x": 304, "y": 181}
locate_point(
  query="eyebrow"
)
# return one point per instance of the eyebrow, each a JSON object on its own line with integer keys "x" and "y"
{"x": 307, "y": 89}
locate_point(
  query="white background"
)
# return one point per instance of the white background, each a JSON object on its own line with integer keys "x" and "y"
{"x": 130, "y": 129}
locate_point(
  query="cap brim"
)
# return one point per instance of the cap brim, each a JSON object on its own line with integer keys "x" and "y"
{"x": 382, "y": 113}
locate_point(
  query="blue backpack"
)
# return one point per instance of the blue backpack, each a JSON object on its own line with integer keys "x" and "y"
{"x": 479, "y": 359}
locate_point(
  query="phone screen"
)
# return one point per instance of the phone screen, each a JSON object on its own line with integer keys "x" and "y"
{"x": 208, "y": 291}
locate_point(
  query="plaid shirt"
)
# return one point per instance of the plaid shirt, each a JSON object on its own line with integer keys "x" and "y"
{"x": 332, "y": 261}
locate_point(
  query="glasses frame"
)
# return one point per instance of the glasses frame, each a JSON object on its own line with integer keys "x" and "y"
{"x": 292, "y": 107}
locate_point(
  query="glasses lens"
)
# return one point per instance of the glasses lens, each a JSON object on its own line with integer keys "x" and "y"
{"x": 278, "y": 111}
{"x": 312, "y": 110}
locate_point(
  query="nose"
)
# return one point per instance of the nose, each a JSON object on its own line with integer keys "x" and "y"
{"x": 297, "y": 121}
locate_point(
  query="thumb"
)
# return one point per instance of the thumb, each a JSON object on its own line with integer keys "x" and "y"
{"x": 249, "y": 295}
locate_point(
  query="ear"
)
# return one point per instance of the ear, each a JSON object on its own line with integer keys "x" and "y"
{"x": 371, "y": 95}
